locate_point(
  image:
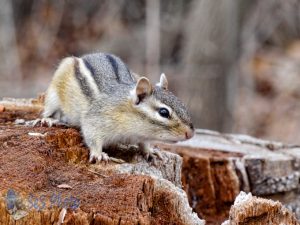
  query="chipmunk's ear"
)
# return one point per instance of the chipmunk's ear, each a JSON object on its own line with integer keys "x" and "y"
{"x": 142, "y": 89}
{"x": 163, "y": 82}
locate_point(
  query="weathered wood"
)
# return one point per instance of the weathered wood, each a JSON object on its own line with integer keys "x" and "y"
{"x": 249, "y": 210}
{"x": 46, "y": 179}
{"x": 216, "y": 167}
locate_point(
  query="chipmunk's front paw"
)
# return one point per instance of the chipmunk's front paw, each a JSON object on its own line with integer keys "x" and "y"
{"x": 103, "y": 157}
{"x": 150, "y": 153}
{"x": 48, "y": 122}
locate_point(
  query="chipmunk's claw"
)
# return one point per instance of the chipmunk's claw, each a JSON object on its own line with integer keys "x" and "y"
{"x": 48, "y": 122}
{"x": 156, "y": 152}
{"x": 152, "y": 154}
{"x": 103, "y": 157}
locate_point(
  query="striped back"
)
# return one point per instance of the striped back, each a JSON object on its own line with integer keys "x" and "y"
{"x": 102, "y": 73}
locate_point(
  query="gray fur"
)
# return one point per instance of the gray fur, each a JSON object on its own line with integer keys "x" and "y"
{"x": 111, "y": 114}
{"x": 114, "y": 66}
{"x": 174, "y": 103}
{"x": 113, "y": 77}
{"x": 105, "y": 75}
{"x": 85, "y": 88}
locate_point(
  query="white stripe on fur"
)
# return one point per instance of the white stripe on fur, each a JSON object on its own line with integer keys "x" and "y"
{"x": 88, "y": 75}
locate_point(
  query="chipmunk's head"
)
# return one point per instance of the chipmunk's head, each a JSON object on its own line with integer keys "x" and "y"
{"x": 164, "y": 117}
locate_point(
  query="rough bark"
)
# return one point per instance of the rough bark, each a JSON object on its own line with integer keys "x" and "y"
{"x": 216, "y": 167}
{"x": 45, "y": 171}
{"x": 252, "y": 210}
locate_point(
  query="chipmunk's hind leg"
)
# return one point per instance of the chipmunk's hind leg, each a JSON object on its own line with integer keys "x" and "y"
{"x": 52, "y": 114}
{"x": 52, "y": 105}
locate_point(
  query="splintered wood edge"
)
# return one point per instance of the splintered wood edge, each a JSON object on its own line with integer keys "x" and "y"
{"x": 247, "y": 207}
{"x": 23, "y": 102}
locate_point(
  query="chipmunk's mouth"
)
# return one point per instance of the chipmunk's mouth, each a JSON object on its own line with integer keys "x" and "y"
{"x": 166, "y": 140}
{"x": 171, "y": 141}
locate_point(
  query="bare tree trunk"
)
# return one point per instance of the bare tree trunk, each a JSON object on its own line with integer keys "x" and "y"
{"x": 48, "y": 29}
{"x": 153, "y": 37}
{"x": 276, "y": 23}
{"x": 9, "y": 57}
{"x": 211, "y": 48}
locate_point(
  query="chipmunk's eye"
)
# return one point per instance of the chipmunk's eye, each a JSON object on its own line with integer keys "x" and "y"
{"x": 164, "y": 112}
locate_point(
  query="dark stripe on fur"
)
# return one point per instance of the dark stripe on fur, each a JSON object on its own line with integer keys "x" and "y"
{"x": 89, "y": 66}
{"x": 174, "y": 103}
{"x": 96, "y": 78}
{"x": 145, "y": 117}
{"x": 129, "y": 73}
{"x": 114, "y": 66}
{"x": 83, "y": 82}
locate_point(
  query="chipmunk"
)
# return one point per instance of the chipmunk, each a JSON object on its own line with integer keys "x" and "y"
{"x": 111, "y": 104}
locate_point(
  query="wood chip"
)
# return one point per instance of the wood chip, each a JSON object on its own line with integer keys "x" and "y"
{"x": 99, "y": 174}
{"x": 19, "y": 121}
{"x": 61, "y": 217}
{"x": 64, "y": 186}
{"x": 2, "y": 108}
{"x": 19, "y": 214}
{"x": 116, "y": 160}
{"x": 36, "y": 134}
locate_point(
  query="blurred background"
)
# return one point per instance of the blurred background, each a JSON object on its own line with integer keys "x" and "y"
{"x": 235, "y": 63}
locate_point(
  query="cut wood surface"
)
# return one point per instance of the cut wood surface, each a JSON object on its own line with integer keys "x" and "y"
{"x": 40, "y": 165}
{"x": 216, "y": 167}
{"x": 46, "y": 179}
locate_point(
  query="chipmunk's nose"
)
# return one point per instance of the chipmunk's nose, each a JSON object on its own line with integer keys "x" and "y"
{"x": 189, "y": 133}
